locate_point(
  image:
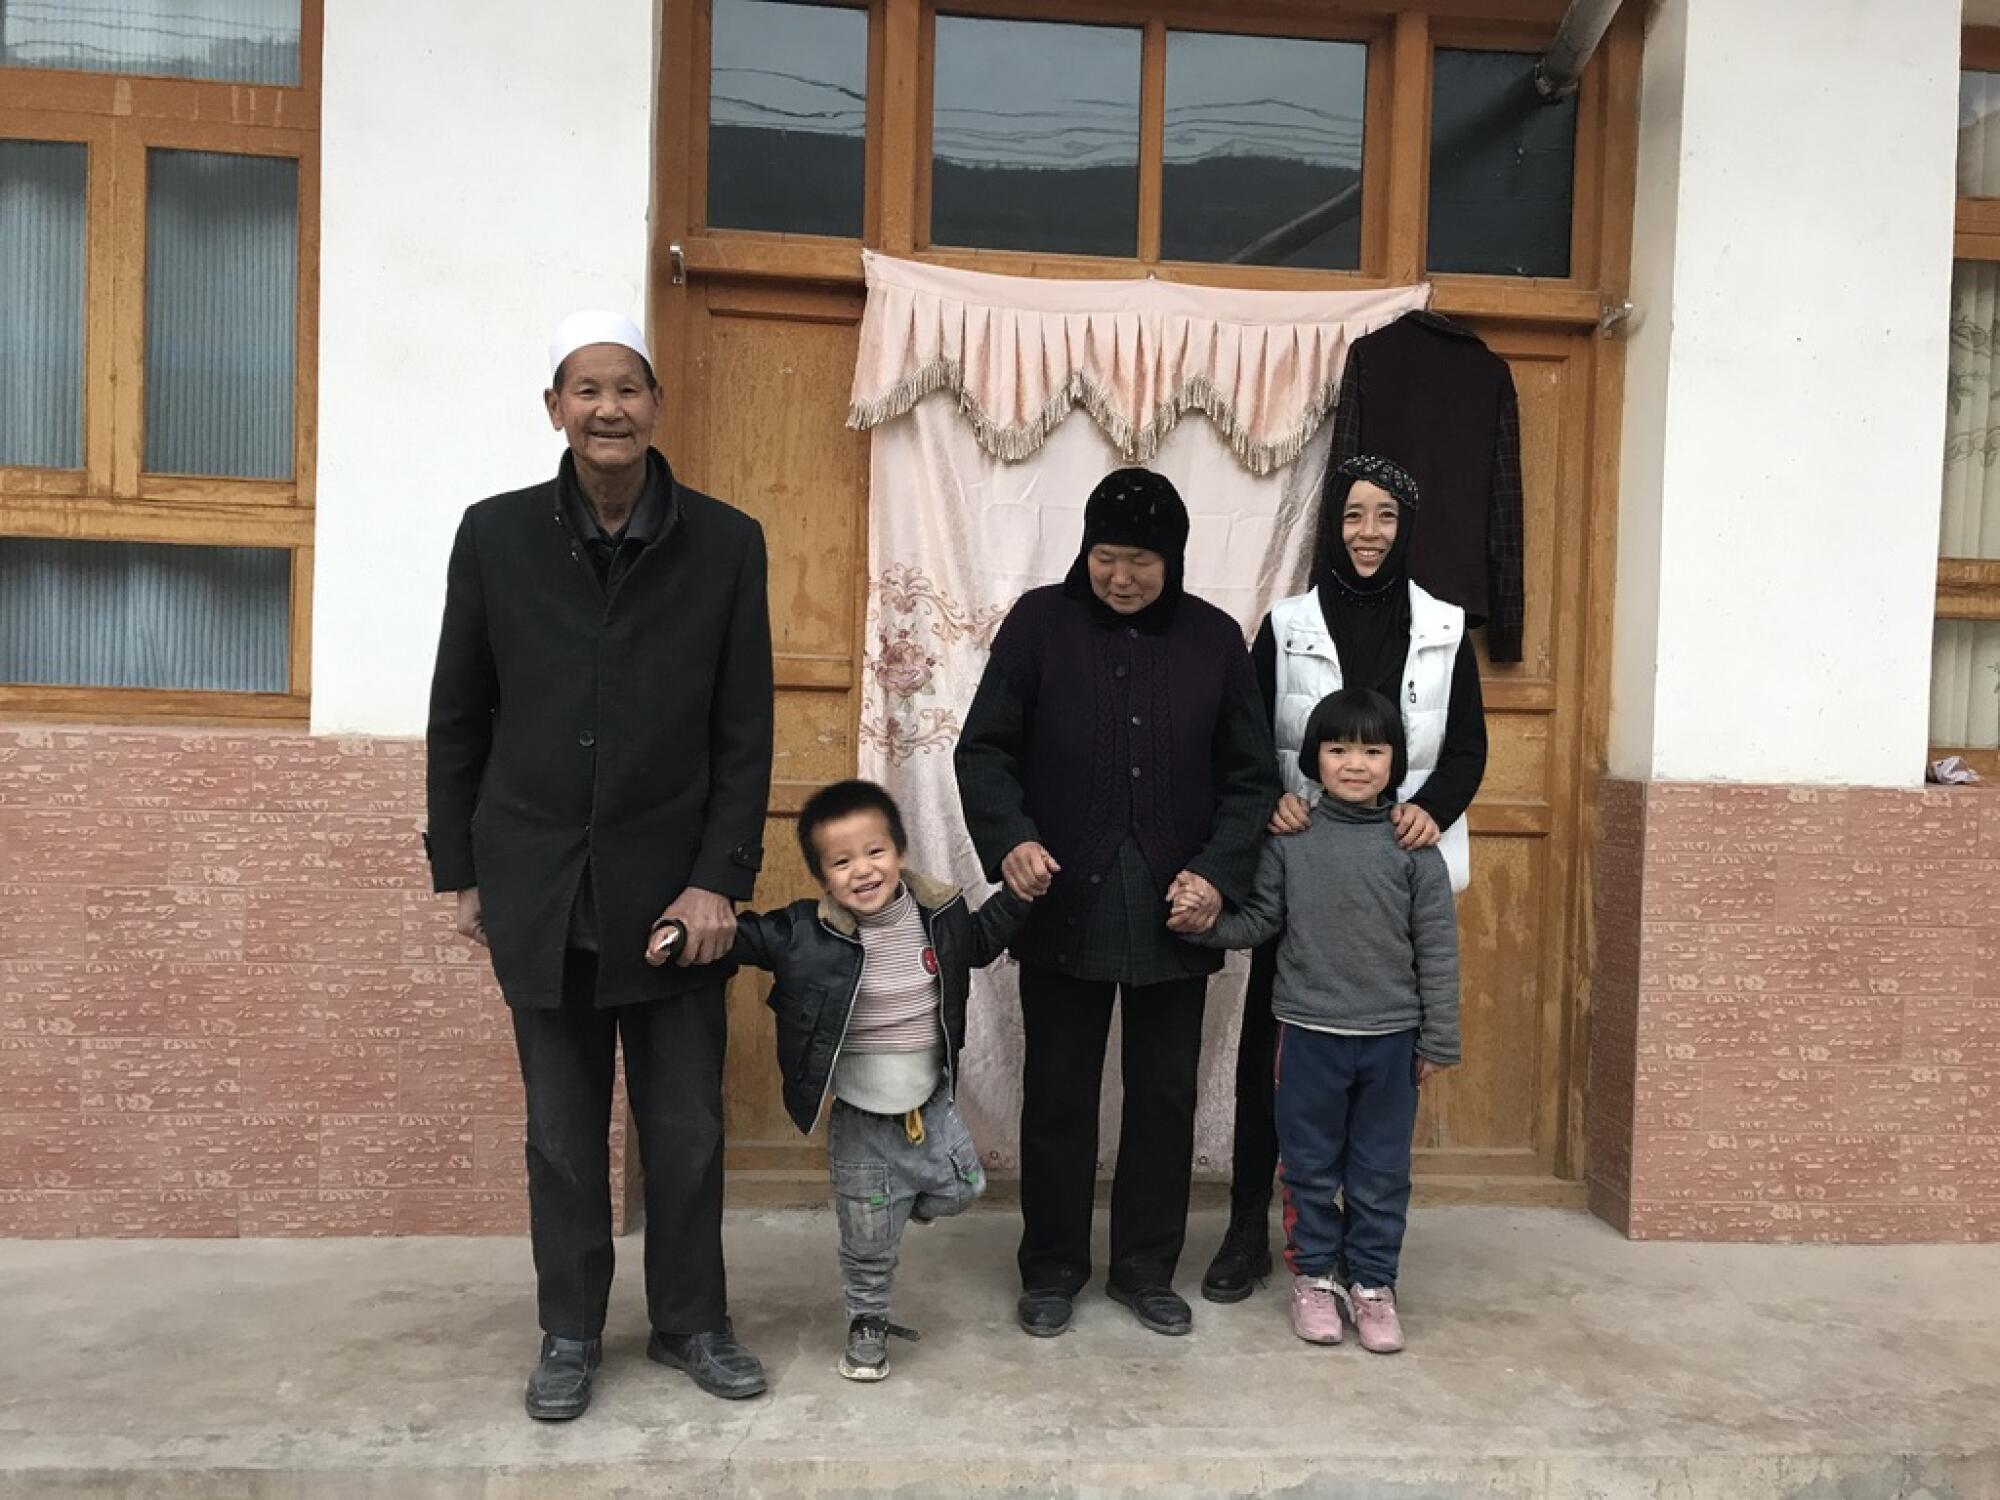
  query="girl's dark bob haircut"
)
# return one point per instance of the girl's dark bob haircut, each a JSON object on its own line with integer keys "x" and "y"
{"x": 1355, "y": 716}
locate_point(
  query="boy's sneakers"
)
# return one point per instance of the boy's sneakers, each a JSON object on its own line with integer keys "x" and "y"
{"x": 1375, "y": 1320}
{"x": 1316, "y": 1309}
{"x": 867, "y": 1354}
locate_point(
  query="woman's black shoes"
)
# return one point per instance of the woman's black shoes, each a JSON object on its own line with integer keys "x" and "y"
{"x": 559, "y": 1388}
{"x": 1243, "y": 1261}
{"x": 1044, "y": 1314}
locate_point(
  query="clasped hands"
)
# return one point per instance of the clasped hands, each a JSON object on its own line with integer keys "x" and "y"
{"x": 1192, "y": 903}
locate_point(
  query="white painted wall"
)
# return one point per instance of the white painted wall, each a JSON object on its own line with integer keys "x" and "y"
{"x": 1784, "y": 413}
{"x": 485, "y": 169}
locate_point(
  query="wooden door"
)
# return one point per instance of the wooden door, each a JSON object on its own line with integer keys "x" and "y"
{"x": 757, "y": 337}
{"x": 759, "y": 421}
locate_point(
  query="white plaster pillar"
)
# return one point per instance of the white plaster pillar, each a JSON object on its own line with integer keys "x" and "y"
{"x": 1784, "y": 403}
{"x": 486, "y": 169}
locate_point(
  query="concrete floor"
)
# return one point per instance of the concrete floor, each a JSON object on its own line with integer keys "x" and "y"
{"x": 1548, "y": 1357}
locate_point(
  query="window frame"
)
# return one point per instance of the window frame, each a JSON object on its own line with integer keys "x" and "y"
{"x": 119, "y": 118}
{"x": 1401, "y": 38}
{"x": 1968, "y": 588}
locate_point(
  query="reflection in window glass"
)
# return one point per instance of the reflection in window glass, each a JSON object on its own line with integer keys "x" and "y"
{"x": 41, "y": 303}
{"x": 222, "y": 251}
{"x": 145, "y": 615}
{"x": 235, "y": 41}
{"x": 1035, "y": 137}
{"x": 1965, "y": 684}
{"x": 1502, "y": 165}
{"x": 1979, "y": 135}
{"x": 1263, "y": 150}
{"x": 1969, "y": 519}
{"x": 787, "y": 117}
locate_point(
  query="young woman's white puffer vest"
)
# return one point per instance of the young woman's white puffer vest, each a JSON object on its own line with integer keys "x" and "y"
{"x": 1309, "y": 669}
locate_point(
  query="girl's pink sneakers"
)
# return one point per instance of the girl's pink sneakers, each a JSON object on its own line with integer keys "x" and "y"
{"x": 1316, "y": 1309}
{"x": 1375, "y": 1320}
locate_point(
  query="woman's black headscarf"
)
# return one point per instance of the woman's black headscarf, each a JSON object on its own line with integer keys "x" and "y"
{"x": 1368, "y": 618}
{"x": 1133, "y": 508}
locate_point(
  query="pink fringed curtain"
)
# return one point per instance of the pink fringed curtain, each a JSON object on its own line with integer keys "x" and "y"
{"x": 977, "y": 498}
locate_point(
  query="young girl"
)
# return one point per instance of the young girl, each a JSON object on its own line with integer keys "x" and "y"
{"x": 1367, "y": 1004}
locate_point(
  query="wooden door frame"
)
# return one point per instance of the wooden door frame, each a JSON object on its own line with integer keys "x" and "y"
{"x": 1402, "y": 38}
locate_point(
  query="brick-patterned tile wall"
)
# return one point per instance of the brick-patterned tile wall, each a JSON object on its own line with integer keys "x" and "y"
{"x": 229, "y": 1003}
{"x": 1796, "y": 1013}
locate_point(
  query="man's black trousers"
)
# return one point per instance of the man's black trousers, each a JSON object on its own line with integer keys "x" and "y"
{"x": 673, "y": 1074}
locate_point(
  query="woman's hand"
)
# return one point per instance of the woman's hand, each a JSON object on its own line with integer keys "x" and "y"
{"x": 1193, "y": 904}
{"x": 1029, "y": 870}
{"x": 1427, "y": 1070}
{"x": 1415, "y": 828}
{"x": 1292, "y": 815}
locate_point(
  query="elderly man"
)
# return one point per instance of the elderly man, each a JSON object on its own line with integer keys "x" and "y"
{"x": 600, "y": 759}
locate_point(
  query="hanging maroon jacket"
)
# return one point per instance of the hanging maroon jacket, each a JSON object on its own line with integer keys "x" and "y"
{"x": 1429, "y": 394}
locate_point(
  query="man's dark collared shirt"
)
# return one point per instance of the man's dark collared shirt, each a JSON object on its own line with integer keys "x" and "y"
{"x": 611, "y": 555}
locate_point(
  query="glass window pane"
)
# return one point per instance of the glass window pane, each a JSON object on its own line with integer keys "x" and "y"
{"x": 1970, "y": 517}
{"x": 222, "y": 251}
{"x": 144, "y": 615}
{"x": 42, "y": 211}
{"x": 1035, "y": 137}
{"x": 1502, "y": 166}
{"x": 1979, "y": 135}
{"x": 1263, "y": 150}
{"x": 1965, "y": 685}
{"x": 236, "y": 41}
{"x": 787, "y": 117}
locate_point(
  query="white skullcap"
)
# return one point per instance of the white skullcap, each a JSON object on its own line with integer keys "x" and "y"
{"x": 595, "y": 327}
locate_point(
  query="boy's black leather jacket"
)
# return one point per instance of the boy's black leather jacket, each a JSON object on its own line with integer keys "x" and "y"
{"x": 814, "y": 949}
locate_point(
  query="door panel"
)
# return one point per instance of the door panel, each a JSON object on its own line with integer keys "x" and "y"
{"x": 763, "y": 426}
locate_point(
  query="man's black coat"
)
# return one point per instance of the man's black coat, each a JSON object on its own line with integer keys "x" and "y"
{"x": 630, "y": 728}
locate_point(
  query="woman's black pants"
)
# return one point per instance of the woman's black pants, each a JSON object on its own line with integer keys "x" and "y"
{"x": 1068, "y": 1024}
{"x": 1254, "y": 1158}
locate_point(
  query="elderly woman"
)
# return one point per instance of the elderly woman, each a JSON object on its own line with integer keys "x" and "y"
{"x": 1364, "y": 623}
{"x": 1115, "y": 767}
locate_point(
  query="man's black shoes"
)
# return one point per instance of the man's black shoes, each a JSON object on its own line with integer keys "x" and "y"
{"x": 1044, "y": 1314}
{"x": 1242, "y": 1262}
{"x": 559, "y": 1389}
{"x": 1159, "y": 1308}
{"x": 713, "y": 1361}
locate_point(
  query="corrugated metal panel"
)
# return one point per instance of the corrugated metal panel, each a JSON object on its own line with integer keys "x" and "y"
{"x": 42, "y": 209}
{"x": 145, "y": 615}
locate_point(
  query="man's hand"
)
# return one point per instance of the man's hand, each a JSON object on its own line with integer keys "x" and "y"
{"x": 1029, "y": 870}
{"x": 1292, "y": 816}
{"x": 469, "y": 921}
{"x": 1194, "y": 904}
{"x": 1415, "y": 828}
{"x": 710, "y": 921}
{"x": 1427, "y": 1070}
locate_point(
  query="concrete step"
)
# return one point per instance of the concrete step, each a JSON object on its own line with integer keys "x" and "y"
{"x": 1548, "y": 1358}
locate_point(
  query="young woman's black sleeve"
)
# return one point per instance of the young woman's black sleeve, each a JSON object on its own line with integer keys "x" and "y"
{"x": 1462, "y": 760}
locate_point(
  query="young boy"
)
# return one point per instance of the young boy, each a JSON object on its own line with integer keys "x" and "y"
{"x": 870, "y": 1003}
{"x": 1367, "y": 1005}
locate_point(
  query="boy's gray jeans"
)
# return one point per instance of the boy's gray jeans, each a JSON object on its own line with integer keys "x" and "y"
{"x": 881, "y": 1180}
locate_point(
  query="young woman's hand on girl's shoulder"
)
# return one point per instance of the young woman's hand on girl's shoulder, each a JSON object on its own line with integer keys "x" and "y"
{"x": 1291, "y": 816}
{"x": 1415, "y": 828}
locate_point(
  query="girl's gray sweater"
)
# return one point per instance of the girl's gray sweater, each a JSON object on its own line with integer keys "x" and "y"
{"x": 1369, "y": 937}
